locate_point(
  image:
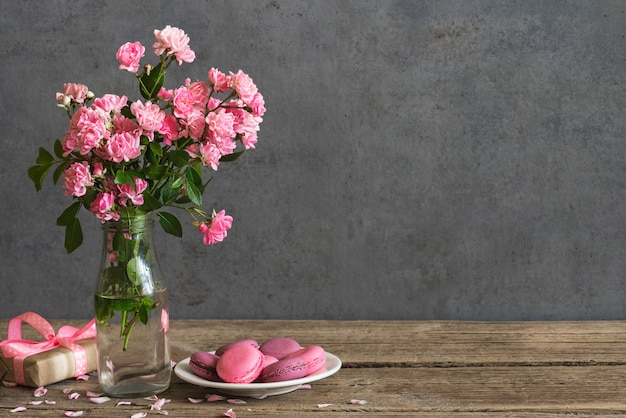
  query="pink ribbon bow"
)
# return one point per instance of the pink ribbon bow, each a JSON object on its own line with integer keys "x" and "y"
{"x": 18, "y": 349}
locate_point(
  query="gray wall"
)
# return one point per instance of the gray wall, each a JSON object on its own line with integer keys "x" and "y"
{"x": 418, "y": 160}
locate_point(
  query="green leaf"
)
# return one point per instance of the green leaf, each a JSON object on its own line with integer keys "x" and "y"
{"x": 193, "y": 176}
{"x": 121, "y": 177}
{"x": 178, "y": 157}
{"x": 171, "y": 189}
{"x": 150, "y": 203}
{"x": 73, "y": 235}
{"x": 58, "y": 149}
{"x": 69, "y": 214}
{"x": 151, "y": 82}
{"x": 194, "y": 194}
{"x": 170, "y": 224}
{"x": 156, "y": 172}
{"x": 156, "y": 149}
{"x": 231, "y": 157}
{"x": 143, "y": 314}
{"x": 44, "y": 156}
{"x": 37, "y": 173}
{"x": 58, "y": 172}
{"x": 131, "y": 271}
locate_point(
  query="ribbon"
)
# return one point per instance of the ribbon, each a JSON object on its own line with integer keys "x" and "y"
{"x": 18, "y": 349}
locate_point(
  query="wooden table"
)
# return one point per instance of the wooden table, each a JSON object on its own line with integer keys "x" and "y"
{"x": 412, "y": 368}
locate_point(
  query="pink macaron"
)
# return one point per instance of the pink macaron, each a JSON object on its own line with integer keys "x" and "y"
{"x": 240, "y": 364}
{"x": 203, "y": 364}
{"x": 225, "y": 347}
{"x": 279, "y": 347}
{"x": 285, "y": 369}
{"x": 314, "y": 356}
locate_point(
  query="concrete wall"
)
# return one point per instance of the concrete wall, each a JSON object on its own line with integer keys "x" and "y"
{"x": 418, "y": 159}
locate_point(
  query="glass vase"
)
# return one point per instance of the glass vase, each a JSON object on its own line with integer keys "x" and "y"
{"x": 131, "y": 303}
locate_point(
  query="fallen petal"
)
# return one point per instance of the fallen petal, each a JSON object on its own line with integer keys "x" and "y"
{"x": 18, "y": 409}
{"x": 236, "y": 401}
{"x": 195, "y": 400}
{"x": 358, "y": 402}
{"x": 83, "y": 377}
{"x": 100, "y": 399}
{"x": 215, "y": 398}
{"x": 304, "y": 386}
{"x": 123, "y": 403}
{"x": 139, "y": 415}
{"x": 73, "y": 395}
{"x": 163, "y": 412}
{"x": 47, "y": 402}
{"x": 40, "y": 391}
{"x": 323, "y": 405}
{"x": 73, "y": 413}
{"x": 67, "y": 391}
{"x": 35, "y": 402}
{"x": 230, "y": 414}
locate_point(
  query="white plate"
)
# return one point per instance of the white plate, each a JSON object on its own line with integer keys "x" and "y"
{"x": 257, "y": 390}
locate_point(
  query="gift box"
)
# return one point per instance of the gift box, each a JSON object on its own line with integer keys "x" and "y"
{"x": 70, "y": 352}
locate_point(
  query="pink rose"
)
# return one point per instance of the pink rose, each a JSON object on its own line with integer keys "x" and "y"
{"x": 200, "y": 92}
{"x": 122, "y": 146}
{"x": 210, "y": 155}
{"x": 217, "y": 230}
{"x": 218, "y": 80}
{"x": 169, "y": 129}
{"x": 243, "y": 86}
{"x": 103, "y": 207}
{"x": 90, "y": 125}
{"x": 111, "y": 103}
{"x": 149, "y": 117}
{"x": 257, "y": 104}
{"x": 76, "y": 179}
{"x": 73, "y": 92}
{"x": 183, "y": 102}
{"x": 221, "y": 130}
{"x": 175, "y": 41}
{"x": 128, "y": 192}
{"x": 193, "y": 125}
{"x": 129, "y": 56}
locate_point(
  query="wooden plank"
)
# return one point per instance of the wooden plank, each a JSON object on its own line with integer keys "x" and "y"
{"x": 513, "y": 391}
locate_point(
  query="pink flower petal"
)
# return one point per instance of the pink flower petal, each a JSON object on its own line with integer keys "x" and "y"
{"x": 139, "y": 415}
{"x": 215, "y": 398}
{"x": 47, "y": 402}
{"x": 163, "y": 412}
{"x": 35, "y": 403}
{"x": 100, "y": 399}
{"x": 304, "y": 386}
{"x": 83, "y": 377}
{"x": 230, "y": 414}
{"x": 40, "y": 391}
{"x": 18, "y": 409}
{"x": 236, "y": 401}
{"x": 67, "y": 391}
{"x": 73, "y": 395}
{"x": 73, "y": 413}
{"x": 9, "y": 384}
{"x": 324, "y": 405}
{"x": 123, "y": 403}
{"x": 358, "y": 402}
{"x": 195, "y": 400}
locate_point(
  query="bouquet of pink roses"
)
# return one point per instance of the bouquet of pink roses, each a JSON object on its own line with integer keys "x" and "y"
{"x": 122, "y": 158}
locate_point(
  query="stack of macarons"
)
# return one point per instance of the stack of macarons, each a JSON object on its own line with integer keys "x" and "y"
{"x": 245, "y": 361}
